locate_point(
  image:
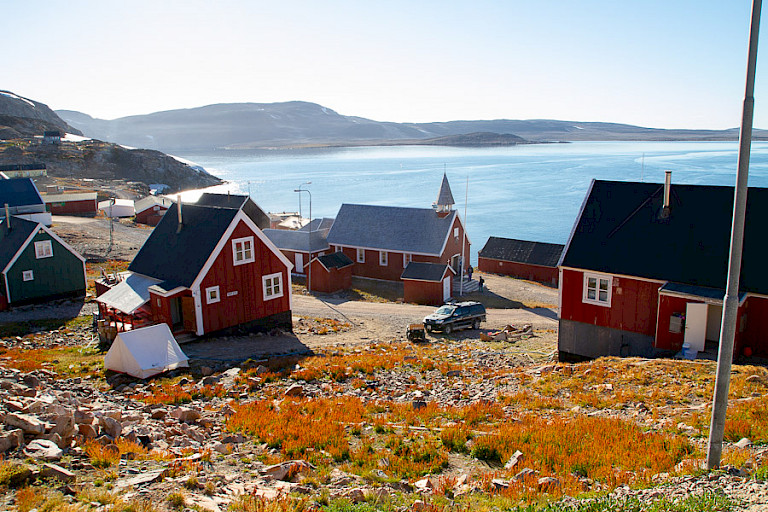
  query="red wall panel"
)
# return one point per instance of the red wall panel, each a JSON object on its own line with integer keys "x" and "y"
{"x": 86, "y": 206}
{"x": 240, "y": 287}
{"x": 519, "y": 270}
{"x": 633, "y": 308}
{"x": 423, "y": 292}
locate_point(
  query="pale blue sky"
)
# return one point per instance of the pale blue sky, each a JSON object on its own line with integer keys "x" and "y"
{"x": 666, "y": 63}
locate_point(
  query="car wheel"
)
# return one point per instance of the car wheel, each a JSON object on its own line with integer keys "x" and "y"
{"x": 448, "y": 329}
{"x": 476, "y": 324}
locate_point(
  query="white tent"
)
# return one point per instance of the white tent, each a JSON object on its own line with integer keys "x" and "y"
{"x": 145, "y": 352}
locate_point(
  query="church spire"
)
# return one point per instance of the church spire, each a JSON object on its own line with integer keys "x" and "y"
{"x": 444, "y": 201}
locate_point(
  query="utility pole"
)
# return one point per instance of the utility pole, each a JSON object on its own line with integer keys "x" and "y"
{"x": 731, "y": 301}
{"x": 309, "y": 233}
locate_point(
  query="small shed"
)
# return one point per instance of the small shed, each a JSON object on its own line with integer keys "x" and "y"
{"x": 331, "y": 273}
{"x": 523, "y": 259}
{"x": 23, "y": 200}
{"x": 117, "y": 208}
{"x": 427, "y": 283}
{"x": 151, "y": 209}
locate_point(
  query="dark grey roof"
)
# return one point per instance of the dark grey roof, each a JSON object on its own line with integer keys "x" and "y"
{"x": 335, "y": 260}
{"x": 19, "y": 192}
{"x": 244, "y": 203}
{"x": 621, "y": 231}
{"x": 424, "y": 271}
{"x": 291, "y": 240}
{"x": 176, "y": 255}
{"x": 522, "y": 251}
{"x": 323, "y": 224}
{"x": 11, "y": 241}
{"x": 445, "y": 197}
{"x": 411, "y": 230}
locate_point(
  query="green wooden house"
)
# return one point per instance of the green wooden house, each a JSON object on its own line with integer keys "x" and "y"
{"x": 36, "y": 265}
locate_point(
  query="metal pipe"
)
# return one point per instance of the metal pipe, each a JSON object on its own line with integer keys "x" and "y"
{"x": 731, "y": 301}
{"x": 667, "y": 187}
{"x": 309, "y": 232}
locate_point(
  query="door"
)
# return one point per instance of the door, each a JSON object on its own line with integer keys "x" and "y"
{"x": 446, "y": 288}
{"x": 299, "y": 263}
{"x": 188, "y": 314}
{"x": 177, "y": 313}
{"x": 695, "y": 326}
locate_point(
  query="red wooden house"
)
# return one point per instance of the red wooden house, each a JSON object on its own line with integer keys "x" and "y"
{"x": 205, "y": 269}
{"x": 644, "y": 271}
{"x": 534, "y": 261}
{"x": 383, "y": 240}
{"x": 151, "y": 209}
{"x": 331, "y": 273}
{"x": 427, "y": 283}
{"x": 300, "y": 247}
{"x": 72, "y": 202}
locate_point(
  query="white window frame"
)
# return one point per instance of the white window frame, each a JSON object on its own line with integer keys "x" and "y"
{"x": 597, "y": 280}
{"x": 383, "y": 258}
{"x": 43, "y": 249}
{"x": 361, "y": 255}
{"x": 456, "y": 233}
{"x": 212, "y": 295}
{"x": 27, "y": 275}
{"x": 240, "y": 257}
{"x": 407, "y": 258}
{"x": 268, "y": 286}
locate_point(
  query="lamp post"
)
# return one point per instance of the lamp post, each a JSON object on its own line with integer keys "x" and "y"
{"x": 309, "y": 233}
{"x": 305, "y": 183}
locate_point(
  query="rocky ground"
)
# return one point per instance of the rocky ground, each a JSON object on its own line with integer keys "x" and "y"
{"x": 70, "y": 427}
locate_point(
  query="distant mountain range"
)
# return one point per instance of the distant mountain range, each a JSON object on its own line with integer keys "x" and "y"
{"x": 302, "y": 124}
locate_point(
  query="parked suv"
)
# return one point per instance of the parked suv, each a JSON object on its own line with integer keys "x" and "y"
{"x": 460, "y": 315}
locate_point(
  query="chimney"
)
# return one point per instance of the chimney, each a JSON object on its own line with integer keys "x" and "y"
{"x": 7, "y": 217}
{"x": 178, "y": 210}
{"x": 667, "y": 187}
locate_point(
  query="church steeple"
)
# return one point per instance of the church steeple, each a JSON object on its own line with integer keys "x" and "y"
{"x": 444, "y": 203}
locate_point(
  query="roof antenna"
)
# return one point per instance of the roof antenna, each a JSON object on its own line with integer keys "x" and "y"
{"x": 7, "y": 217}
{"x": 178, "y": 210}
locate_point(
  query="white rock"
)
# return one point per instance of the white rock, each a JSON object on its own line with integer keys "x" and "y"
{"x": 43, "y": 449}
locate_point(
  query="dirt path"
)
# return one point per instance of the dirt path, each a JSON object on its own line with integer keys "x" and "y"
{"x": 90, "y": 236}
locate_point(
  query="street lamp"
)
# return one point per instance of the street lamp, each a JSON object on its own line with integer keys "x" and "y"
{"x": 309, "y": 234}
{"x": 305, "y": 183}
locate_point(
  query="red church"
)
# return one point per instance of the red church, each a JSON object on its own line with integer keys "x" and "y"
{"x": 205, "y": 269}
{"x": 383, "y": 240}
{"x": 645, "y": 268}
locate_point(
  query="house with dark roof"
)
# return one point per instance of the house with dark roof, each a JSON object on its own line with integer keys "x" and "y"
{"x": 383, "y": 240}
{"x": 331, "y": 273}
{"x": 237, "y": 202}
{"x": 204, "y": 269}
{"x": 523, "y": 259}
{"x": 427, "y": 283}
{"x": 300, "y": 247}
{"x": 149, "y": 210}
{"x": 36, "y": 265}
{"x": 644, "y": 271}
{"x": 23, "y": 200}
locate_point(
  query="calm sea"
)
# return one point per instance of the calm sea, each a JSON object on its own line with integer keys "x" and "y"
{"x": 529, "y": 192}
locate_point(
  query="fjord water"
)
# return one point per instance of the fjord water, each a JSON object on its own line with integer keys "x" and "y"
{"x": 531, "y": 192}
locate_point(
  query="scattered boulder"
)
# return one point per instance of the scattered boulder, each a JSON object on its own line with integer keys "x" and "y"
{"x": 43, "y": 449}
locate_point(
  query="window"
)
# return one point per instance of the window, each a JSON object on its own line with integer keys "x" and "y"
{"x": 597, "y": 289}
{"x": 273, "y": 286}
{"x": 28, "y": 275}
{"x": 43, "y": 249}
{"x": 361, "y": 255}
{"x": 407, "y": 258}
{"x": 242, "y": 250}
{"x": 212, "y": 295}
{"x": 383, "y": 258}
{"x": 456, "y": 232}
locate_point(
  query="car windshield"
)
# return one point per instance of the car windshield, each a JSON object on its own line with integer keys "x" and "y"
{"x": 445, "y": 310}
